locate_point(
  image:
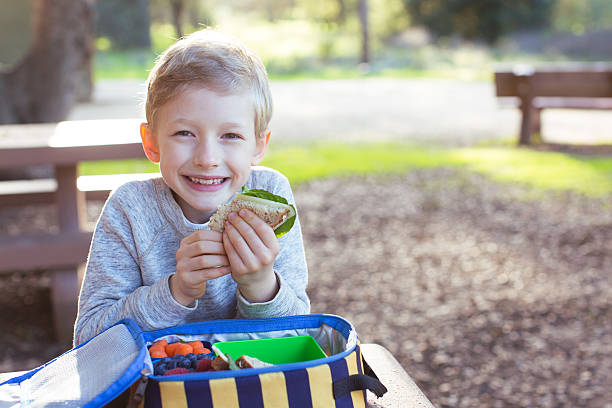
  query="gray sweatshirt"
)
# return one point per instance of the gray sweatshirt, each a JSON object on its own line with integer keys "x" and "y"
{"x": 133, "y": 253}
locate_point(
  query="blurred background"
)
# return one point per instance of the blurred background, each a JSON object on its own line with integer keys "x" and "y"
{"x": 482, "y": 266}
{"x": 319, "y": 39}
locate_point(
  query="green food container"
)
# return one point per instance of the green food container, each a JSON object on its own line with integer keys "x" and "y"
{"x": 280, "y": 350}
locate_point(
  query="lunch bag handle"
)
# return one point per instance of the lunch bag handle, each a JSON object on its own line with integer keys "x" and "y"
{"x": 358, "y": 382}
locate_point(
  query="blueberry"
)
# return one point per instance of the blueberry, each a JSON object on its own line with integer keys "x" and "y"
{"x": 166, "y": 360}
{"x": 186, "y": 363}
{"x": 160, "y": 369}
{"x": 171, "y": 364}
{"x": 201, "y": 356}
{"x": 189, "y": 356}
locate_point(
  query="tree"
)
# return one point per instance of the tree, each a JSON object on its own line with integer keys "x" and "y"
{"x": 365, "y": 41}
{"x": 184, "y": 15}
{"x": 178, "y": 10}
{"x": 479, "y": 19}
{"x": 42, "y": 87}
{"x": 581, "y": 16}
{"x": 125, "y": 23}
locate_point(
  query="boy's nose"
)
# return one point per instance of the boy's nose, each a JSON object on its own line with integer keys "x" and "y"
{"x": 206, "y": 154}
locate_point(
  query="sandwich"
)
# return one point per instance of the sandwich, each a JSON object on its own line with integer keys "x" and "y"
{"x": 251, "y": 362}
{"x": 273, "y": 209}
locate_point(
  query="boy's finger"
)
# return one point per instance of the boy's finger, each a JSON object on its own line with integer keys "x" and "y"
{"x": 206, "y": 247}
{"x": 208, "y": 261}
{"x": 232, "y": 255}
{"x": 200, "y": 248}
{"x": 203, "y": 235}
{"x": 245, "y": 241}
{"x": 264, "y": 232}
{"x": 247, "y": 237}
{"x": 251, "y": 251}
{"x": 214, "y": 273}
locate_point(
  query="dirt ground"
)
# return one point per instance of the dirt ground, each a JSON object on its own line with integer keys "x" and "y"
{"x": 485, "y": 294}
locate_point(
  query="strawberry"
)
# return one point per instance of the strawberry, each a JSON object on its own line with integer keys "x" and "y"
{"x": 204, "y": 365}
{"x": 178, "y": 370}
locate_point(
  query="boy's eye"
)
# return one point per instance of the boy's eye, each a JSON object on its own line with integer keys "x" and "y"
{"x": 183, "y": 133}
{"x": 232, "y": 136}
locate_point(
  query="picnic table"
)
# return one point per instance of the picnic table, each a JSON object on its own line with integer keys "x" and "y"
{"x": 63, "y": 146}
{"x": 402, "y": 391}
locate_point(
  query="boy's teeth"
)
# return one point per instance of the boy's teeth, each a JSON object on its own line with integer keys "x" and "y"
{"x": 206, "y": 181}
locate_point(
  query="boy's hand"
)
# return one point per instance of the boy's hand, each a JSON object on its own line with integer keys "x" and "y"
{"x": 251, "y": 248}
{"x": 200, "y": 257}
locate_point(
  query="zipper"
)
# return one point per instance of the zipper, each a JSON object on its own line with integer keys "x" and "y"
{"x": 139, "y": 389}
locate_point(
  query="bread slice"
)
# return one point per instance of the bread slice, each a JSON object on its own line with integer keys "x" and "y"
{"x": 272, "y": 212}
{"x": 251, "y": 362}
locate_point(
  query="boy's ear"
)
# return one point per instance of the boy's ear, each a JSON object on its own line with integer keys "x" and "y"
{"x": 261, "y": 148}
{"x": 149, "y": 144}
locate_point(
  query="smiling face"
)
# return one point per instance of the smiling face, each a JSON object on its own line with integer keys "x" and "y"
{"x": 205, "y": 144}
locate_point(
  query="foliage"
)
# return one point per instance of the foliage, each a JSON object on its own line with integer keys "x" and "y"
{"x": 479, "y": 19}
{"x": 124, "y": 23}
{"x": 330, "y": 13}
{"x": 196, "y": 13}
{"x": 270, "y": 10}
{"x": 579, "y": 16}
{"x": 387, "y": 18}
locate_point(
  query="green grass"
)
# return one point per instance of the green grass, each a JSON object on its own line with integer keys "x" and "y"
{"x": 134, "y": 64}
{"x": 543, "y": 171}
{"x": 95, "y": 168}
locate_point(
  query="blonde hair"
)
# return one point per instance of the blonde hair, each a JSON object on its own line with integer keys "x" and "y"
{"x": 216, "y": 61}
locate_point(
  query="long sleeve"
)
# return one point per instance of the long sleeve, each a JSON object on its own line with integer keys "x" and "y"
{"x": 113, "y": 287}
{"x": 133, "y": 254}
{"x": 290, "y": 266}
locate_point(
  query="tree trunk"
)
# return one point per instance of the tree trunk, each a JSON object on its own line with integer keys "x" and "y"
{"x": 43, "y": 86}
{"x": 365, "y": 42}
{"x": 178, "y": 9}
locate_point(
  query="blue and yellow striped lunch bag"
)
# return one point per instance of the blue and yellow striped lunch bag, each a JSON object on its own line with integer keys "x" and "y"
{"x": 335, "y": 380}
{"x": 115, "y": 368}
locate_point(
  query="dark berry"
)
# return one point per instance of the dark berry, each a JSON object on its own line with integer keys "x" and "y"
{"x": 201, "y": 356}
{"x": 190, "y": 356}
{"x": 178, "y": 370}
{"x": 160, "y": 369}
{"x": 166, "y": 360}
{"x": 204, "y": 365}
{"x": 186, "y": 363}
{"x": 171, "y": 364}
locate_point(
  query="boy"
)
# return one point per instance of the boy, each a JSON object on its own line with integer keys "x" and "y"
{"x": 153, "y": 257}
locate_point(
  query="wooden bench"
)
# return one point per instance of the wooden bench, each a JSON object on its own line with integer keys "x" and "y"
{"x": 63, "y": 146}
{"x": 570, "y": 87}
{"x": 42, "y": 191}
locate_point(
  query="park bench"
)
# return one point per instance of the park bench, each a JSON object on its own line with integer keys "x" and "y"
{"x": 62, "y": 146}
{"x": 568, "y": 87}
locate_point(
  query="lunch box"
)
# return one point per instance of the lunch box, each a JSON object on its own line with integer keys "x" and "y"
{"x": 316, "y": 361}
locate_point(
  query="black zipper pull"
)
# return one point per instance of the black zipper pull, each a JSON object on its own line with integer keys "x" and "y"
{"x": 139, "y": 390}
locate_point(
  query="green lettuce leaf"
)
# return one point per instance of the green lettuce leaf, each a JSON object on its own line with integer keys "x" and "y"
{"x": 266, "y": 195}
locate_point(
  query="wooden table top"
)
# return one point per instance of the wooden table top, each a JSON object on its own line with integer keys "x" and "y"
{"x": 69, "y": 142}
